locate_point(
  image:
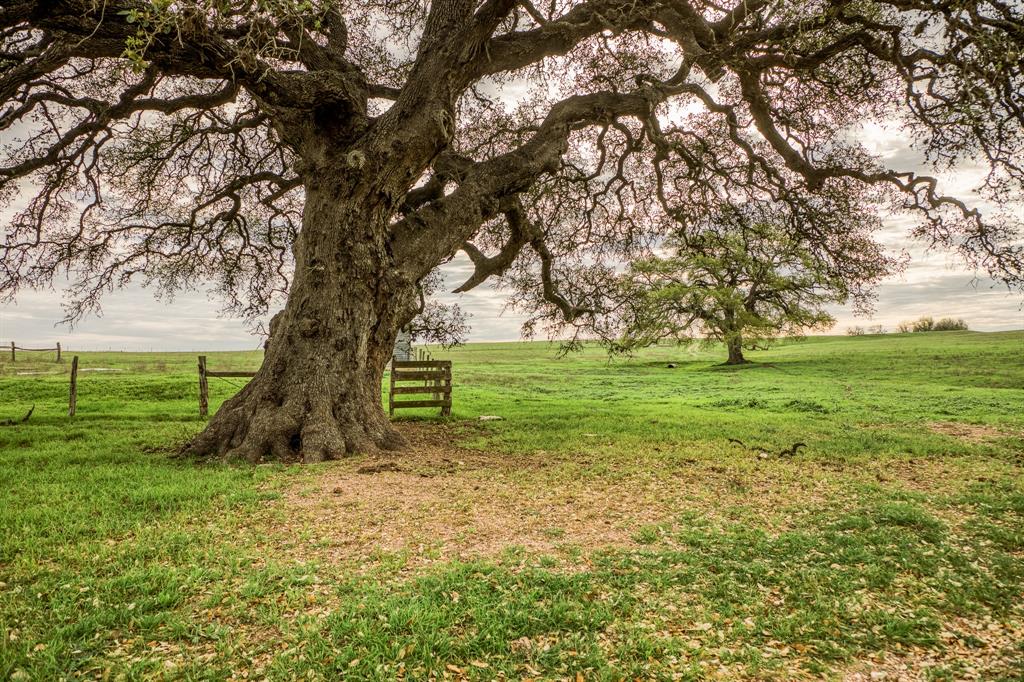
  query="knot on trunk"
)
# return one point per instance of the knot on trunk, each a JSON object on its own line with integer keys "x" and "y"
{"x": 309, "y": 327}
{"x": 355, "y": 159}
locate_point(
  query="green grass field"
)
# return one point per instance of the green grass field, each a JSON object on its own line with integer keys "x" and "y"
{"x": 607, "y": 528}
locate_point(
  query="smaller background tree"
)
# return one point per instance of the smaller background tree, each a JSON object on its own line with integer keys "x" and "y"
{"x": 746, "y": 275}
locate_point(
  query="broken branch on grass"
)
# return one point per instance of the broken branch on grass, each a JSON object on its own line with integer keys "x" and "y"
{"x": 15, "y": 422}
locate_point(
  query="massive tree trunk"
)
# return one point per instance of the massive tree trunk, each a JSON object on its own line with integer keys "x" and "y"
{"x": 735, "y": 346}
{"x": 318, "y": 393}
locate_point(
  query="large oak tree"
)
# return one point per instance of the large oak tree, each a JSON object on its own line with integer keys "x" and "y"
{"x": 336, "y": 152}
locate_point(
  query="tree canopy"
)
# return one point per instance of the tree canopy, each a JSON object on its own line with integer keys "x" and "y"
{"x": 340, "y": 151}
{"x": 162, "y": 140}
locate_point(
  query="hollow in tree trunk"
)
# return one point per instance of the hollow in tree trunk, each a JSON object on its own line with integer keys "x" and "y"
{"x": 317, "y": 395}
{"x": 735, "y": 346}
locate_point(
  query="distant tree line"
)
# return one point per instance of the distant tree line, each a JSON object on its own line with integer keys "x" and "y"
{"x": 861, "y": 331}
{"x": 929, "y": 324}
{"x": 926, "y": 323}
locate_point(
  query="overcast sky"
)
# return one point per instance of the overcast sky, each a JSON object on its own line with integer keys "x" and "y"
{"x": 134, "y": 320}
{"x": 935, "y": 284}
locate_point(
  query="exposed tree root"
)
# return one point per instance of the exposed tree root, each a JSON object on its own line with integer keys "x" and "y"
{"x": 257, "y": 425}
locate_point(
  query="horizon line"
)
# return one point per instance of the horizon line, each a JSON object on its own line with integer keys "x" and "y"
{"x": 110, "y": 349}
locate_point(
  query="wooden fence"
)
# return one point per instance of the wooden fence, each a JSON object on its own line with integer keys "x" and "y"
{"x": 434, "y": 377}
{"x": 204, "y": 388}
{"x": 15, "y": 348}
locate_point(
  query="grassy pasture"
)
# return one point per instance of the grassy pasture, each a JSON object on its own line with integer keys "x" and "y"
{"x": 606, "y": 529}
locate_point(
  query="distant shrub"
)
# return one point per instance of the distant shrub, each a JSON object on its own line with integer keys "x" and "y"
{"x": 876, "y": 329}
{"x": 855, "y": 331}
{"x": 923, "y": 324}
{"x": 903, "y": 328}
{"x": 949, "y": 324}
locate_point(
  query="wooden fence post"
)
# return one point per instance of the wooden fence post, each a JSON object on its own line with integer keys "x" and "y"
{"x": 73, "y": 395}
{"x": 12, "y": 351}
{"x": 204, "y": 389}
{"x": 438, "y": 383}
{"x": 58, "y": 351}
{"x": 446, "y": 411}
{"x": 391, "y": 391}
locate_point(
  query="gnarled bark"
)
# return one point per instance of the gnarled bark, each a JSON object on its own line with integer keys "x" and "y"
{"x": 317, "y": 395}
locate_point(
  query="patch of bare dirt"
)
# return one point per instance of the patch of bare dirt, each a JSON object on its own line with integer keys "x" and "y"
{"x": 439, "y": 501}
{"x": 974, "y": 434}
